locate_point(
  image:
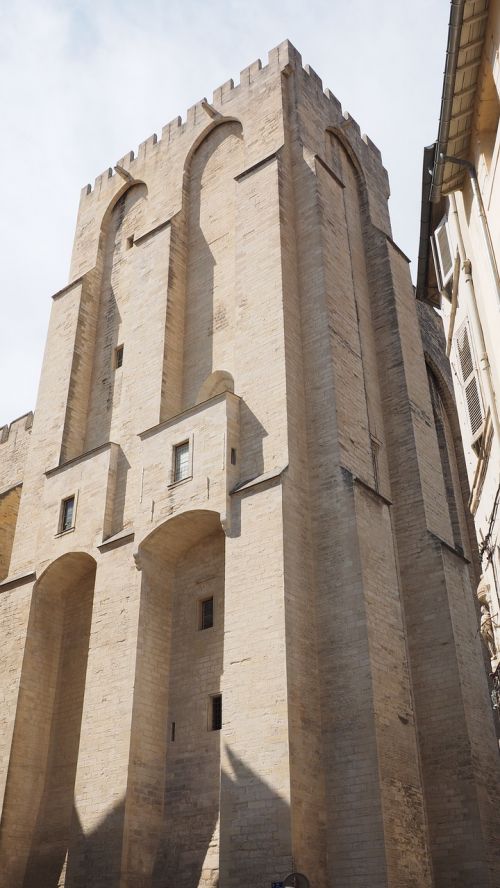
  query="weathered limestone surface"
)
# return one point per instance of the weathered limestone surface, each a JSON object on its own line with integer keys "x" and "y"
{"x": 14, "y": 443}
{"x": 238, "y": 290}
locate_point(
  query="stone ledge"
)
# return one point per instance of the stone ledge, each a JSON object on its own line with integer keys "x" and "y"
{"x": 376, "y": 493}
{"x": 76, "y": 459}
{"x": 10, "y": 488}
{"x": 453, "y": 549}
{"x": 172, "y": 420}
{"x": 118, "y": 539}
{"x": 152, "y": 231}
{"x": 260, "y": 479}
{"x": 392, "y": 243}
{"x": 18, "y": 580}
{"x": 329, "y": 170}
{"x": 256, "y": 166}
{"x": 68, "y": 287}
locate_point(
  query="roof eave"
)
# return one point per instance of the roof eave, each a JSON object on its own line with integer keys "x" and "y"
{"x": 465, "y": 36}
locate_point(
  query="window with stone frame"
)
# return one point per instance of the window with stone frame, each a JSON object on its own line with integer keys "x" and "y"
{"x": 67, "y": 518}
{"x": 206, "y": 616}
{"x": 182, "y": 468}
{"x": 216, "y": 712}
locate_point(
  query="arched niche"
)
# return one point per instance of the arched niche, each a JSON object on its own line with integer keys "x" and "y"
{"x": 452, "y": 463}
{"x": 171, "y": 540}
{"x": 106, "y": 313}
{"x": 179, "y": 674}
{"x": 119, "y": 285}
{"x": 210, "y": 219}
{"x": 123, "y": 200}
{"x": 338, "y": 149}
{"x": 346, "y": 232}
{"x": 37, "y": 818}
{"x": 218, "y": 382}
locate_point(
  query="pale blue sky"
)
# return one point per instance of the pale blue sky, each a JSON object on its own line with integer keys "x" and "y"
{"x": 82, "y": 83}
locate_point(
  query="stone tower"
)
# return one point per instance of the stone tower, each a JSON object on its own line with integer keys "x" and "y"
{"x": 238, "y": 629}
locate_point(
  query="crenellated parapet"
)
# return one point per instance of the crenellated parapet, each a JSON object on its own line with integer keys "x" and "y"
{"x": 283, "y": 58}
{"x": 320, "y": 111}
{"x": 196, "y": 115}
{"x": 23, "y": 422}
{"x": 14, "y": 445}
{"x": 14, "y": 442}
{"x": 161, "y": 162}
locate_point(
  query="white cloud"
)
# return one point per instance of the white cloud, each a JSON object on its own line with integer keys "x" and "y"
{"x": 83, "y": 82}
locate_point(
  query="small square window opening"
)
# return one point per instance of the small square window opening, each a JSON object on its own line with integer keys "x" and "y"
{"x": 118, "y": 356}
{"x": 67, "y": 514}
{"x": 181, "y": 461}
{"x": 207, "y": 613}
{"x": 216, "y": 714}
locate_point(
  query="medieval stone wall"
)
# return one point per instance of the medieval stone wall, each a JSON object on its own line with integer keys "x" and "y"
{"x": 245, "y": 265}
{"x": 14, "y": 442}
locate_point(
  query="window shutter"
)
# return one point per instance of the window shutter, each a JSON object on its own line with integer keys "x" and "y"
{"x": 465, "y": 354}
{"x": 474, "y": 405}
{"x": 443, "y": 250}
{"x": 469, "y": 380}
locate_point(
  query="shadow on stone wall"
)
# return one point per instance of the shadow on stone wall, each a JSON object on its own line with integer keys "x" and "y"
{"x": 94, "y": 860}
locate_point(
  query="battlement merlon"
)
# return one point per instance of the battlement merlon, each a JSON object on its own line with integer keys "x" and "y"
{"x": 14, "y": 443}
{"x": 166, "y": 157}
{"x": 280, "y": 59}
{"x": 21, "y": 423}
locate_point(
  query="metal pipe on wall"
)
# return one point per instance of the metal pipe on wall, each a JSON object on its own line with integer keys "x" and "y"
{"x": 482, "y": 215}
{"x": 483, "y": 359}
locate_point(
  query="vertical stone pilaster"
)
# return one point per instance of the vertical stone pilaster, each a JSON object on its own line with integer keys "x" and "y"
{"x": 255, "y": 816}
{"x": 96, "y": 847}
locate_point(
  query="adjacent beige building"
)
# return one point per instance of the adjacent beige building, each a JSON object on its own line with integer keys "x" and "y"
{"x": 239, "y": 635}
{"x": 458, "y": 271}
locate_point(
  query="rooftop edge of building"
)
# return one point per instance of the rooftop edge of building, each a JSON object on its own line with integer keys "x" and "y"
{"x": 282, "y": 58}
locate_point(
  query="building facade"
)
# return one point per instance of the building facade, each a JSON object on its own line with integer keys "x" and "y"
{"x": 239, "y": 635}
{"x": 458, "y": 271}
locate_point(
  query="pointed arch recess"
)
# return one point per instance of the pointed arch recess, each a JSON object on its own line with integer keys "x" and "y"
{"x": 210, "y": 211}
{"x": 182, "y": 563}
{"x": 42, "y": 770}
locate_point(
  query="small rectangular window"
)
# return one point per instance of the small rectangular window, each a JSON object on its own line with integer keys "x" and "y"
{"x": 181, "y": 461}
{"x": 129, "y": 243}
{"x": 172, "y": 732}
{"x": 216, "y": 714}
{"x": 67, "y": 514}
{"x": 233, "y": 456}
{"x": 118, "y": 356}
{"x": 207, "y": 613}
